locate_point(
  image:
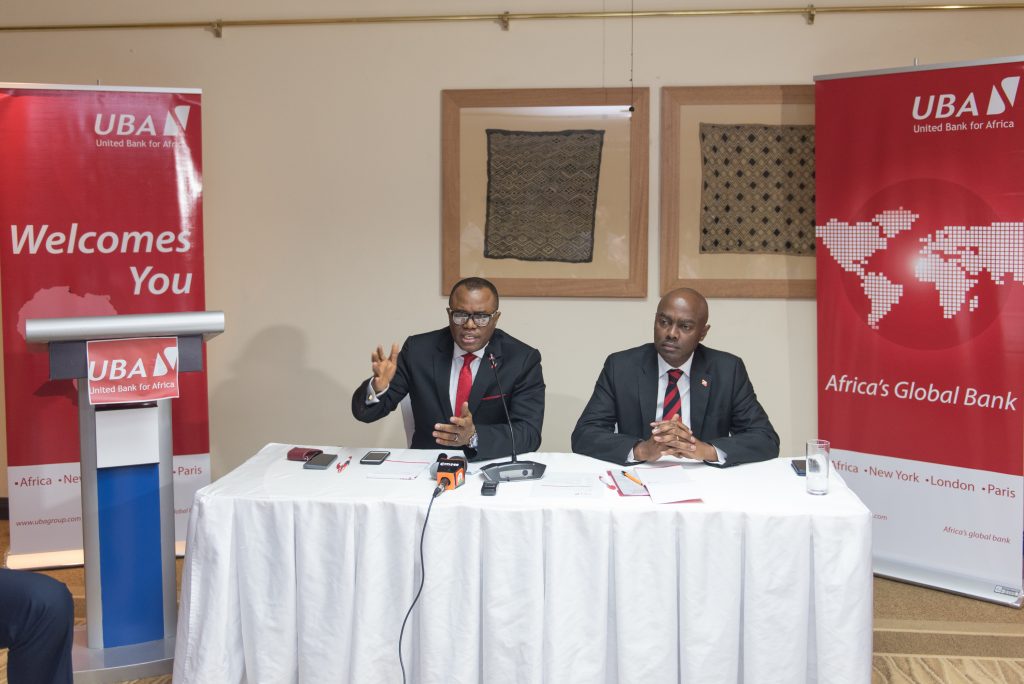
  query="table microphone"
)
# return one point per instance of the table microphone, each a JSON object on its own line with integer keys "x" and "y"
{"x": 513, "y": 469}
{"x": 451, "y": 471}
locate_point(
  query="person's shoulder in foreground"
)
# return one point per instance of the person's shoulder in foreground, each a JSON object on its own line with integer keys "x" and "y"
{"x": 675, "y": 398}
{"x": 37, "y": 626}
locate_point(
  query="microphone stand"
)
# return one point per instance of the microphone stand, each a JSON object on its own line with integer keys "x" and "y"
{"x": 513, "y": 469}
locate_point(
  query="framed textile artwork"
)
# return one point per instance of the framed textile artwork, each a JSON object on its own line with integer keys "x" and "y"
{"x": 544, "y": 192}
{"x": 737, "y": 190}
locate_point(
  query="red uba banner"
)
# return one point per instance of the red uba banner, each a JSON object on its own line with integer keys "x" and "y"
{"x": 133, "y": 370}
{"x": 100, "y": 214}
{"x": 920, "y": 227}
{"x": 920, "y": 213}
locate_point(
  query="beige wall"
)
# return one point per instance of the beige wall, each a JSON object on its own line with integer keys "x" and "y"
{"x": 322, "y": 169}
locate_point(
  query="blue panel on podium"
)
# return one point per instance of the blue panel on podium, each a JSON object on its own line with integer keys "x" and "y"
{"x": 131, "y": 581}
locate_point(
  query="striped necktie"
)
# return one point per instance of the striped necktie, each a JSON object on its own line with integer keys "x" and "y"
{"x": 671, "y": 403}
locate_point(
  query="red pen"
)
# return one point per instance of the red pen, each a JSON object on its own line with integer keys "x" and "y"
{"x": 342, "y": 466}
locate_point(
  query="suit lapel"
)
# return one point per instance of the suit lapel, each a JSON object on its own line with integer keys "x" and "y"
{"x": 700, "y": 391}
{"x": 647, "y": 390}
{"x": 484, "y": 374}
{"x": 443, "y": 371}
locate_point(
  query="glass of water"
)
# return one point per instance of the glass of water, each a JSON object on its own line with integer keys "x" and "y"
{"x": 817, "y": 453}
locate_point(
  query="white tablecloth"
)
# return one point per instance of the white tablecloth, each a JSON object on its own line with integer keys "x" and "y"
{"x": 296, "y": 575}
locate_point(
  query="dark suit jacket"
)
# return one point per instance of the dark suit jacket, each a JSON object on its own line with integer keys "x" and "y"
{"x": 424, "y": 370}
{"x": 724, "y": 410}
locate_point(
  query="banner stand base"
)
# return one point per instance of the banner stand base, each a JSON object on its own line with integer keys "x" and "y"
{"x": 48, "y": 559}
{"x": 107, "y": 665}
{"x": 954, "y": 584}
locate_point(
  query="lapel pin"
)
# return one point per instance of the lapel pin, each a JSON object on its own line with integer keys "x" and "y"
{"x": 704, "y": 382}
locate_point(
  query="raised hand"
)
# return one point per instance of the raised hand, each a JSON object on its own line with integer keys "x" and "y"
{"x": 384, "y": 367}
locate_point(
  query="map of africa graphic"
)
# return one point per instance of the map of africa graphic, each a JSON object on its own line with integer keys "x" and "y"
{"x": 60, "y": 301}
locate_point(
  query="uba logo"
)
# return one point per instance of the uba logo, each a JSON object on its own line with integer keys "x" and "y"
{"x": 946, "y": 105}
{"x": 135, "y": 367}
{"x": 129, "y": 124}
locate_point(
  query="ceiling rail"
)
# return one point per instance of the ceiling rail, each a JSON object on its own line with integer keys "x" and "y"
{"x": 505, "y": 19}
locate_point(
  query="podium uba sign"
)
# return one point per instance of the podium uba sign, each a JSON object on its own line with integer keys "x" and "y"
{"x": 133, "y": 370}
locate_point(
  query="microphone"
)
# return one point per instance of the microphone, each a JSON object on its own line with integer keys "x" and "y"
{"x": 451, "y": 472}
{"x": 501, "y": 395}
{"x": 513, "y": 469}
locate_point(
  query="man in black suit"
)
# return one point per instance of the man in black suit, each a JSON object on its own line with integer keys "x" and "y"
{"x": 37, "y": 623}
{"x": 456, "y": 367}
{"x": 675, "y": 398}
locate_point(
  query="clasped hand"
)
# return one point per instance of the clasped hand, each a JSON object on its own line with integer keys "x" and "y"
{"x": 673, "y": 438}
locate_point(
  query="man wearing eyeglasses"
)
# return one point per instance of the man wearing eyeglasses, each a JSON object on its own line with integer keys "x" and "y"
{"x": 452, "y": 378}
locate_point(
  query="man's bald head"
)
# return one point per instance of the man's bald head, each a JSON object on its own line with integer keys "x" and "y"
{"x": 680, "y": 324}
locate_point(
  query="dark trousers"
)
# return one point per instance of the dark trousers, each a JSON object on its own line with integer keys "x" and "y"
{"x": 37, "y": 621}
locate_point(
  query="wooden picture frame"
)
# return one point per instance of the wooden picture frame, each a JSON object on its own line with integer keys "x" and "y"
{"x": 618, "y": 266}
{"x": 682, "y": 263}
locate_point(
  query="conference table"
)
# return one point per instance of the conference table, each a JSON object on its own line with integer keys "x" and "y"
{"x": 297, "y": 575}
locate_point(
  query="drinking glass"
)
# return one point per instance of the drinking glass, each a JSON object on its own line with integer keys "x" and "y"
{"x": 817, "y": 453}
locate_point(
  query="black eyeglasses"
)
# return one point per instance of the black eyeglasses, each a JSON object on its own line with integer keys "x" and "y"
{"x": 462, "y": 317}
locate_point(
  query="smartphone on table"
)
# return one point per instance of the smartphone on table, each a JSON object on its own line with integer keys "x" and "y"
{"x": 374, "y": 457}
{"x": 800, "y": 466}
{"x": 320, "y": 461}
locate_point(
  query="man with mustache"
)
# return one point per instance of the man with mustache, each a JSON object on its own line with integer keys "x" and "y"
{"x": 448, "y": 375}
{"x": 675, "y": 398}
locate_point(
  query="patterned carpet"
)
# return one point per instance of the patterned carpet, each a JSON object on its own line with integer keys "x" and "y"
{"x": 895, "y": 669}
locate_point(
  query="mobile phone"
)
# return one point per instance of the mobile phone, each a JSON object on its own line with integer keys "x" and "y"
{"x": 320, "y": 461}
{"x": 374, "y": 457}
{"x": 489, "y": 488}
{"x": 800, "y": 466}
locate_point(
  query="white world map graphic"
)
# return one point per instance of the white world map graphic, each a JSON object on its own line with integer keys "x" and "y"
{"x": 952, "y": 258}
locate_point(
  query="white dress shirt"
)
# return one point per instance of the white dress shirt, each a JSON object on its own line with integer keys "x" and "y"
{"x": 684, "y": 399}
{"x": 457, "y": 361}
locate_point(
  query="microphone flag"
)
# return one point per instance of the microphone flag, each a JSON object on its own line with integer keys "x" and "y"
{"x": 451, "y": 471}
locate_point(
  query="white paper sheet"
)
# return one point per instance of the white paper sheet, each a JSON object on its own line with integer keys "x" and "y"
{"x": 398, "y": 470}
{"x": 566, "y": 486}
{"x": 669, "y": 485}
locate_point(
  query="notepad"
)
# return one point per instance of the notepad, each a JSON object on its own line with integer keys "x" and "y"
{"x": 398, "y": 470}
{"x": 566, "y": 486}
{"x": 669, "y": 485}
{"x": 626, "y": 486}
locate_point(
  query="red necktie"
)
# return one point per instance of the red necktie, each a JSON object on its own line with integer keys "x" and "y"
{"x": 671, "y": 404}
{"x": 465, "y": 383}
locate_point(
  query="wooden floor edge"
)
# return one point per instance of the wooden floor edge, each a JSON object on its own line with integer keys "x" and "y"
{"x": 934, "y": 656}
{"x": 950, "y": 632}
{"x": 995, "y": 629}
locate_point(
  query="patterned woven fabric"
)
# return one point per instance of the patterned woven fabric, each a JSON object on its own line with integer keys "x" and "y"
{"x": 757, "y": 189}
{"x": 542, "y": 194}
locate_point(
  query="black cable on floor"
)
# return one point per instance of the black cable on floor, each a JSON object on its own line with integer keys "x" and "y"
{"x": 423, "y": 578}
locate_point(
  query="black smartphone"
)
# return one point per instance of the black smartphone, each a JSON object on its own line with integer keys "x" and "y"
{"x": 800, "y": 466}
{"x": 489, "y": 488}
{"x": 374, "y": 457}
{"x": 320, "y": 461}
